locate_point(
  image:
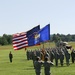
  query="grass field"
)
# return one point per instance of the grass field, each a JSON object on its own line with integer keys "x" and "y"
{"x": 21, "y": 66}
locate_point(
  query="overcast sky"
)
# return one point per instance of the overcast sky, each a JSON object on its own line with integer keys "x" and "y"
{"x": 22, "y": 15}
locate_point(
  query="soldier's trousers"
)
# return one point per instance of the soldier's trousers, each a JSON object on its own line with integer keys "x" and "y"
{"x": 56, "y": 62}
{"x": 73, "y": 59}
{"x": 61, "y": 62}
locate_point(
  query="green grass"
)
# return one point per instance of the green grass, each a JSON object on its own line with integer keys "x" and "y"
{"x": 20, "y": 66}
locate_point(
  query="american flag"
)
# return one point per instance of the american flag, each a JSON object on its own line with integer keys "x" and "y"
{"x": 20, "y": 40}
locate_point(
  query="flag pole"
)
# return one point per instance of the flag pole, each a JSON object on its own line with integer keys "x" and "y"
{"x": 49, "y": 40}
{"x": 43, "y": 51}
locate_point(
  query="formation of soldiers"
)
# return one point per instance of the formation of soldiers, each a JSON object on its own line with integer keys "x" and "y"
{"x": 50, "y": 56}
{"x": 54, "y": 54}
{"x": 46, "y": 63}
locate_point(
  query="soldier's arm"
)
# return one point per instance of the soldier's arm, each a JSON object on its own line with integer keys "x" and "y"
{"x": 51, "y": 63}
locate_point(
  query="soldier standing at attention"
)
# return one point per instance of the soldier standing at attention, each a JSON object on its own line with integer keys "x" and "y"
{"x": 38, "y": 63}
{"x": 47, "y": 65}
{"x": 61, "y": 57}
{"x": 73, "y": 55}
{"x": 57, "y": 55}
{"x": 10, "y": 56}
{"x": 67, "y": 55}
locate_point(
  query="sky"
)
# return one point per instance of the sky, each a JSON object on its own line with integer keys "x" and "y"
{"x": 22, "y": 15}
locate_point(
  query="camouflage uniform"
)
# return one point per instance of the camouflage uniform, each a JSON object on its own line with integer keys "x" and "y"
{"x": 61, "y": 57}
{"x": 73, "y": 55}
{"x": 51, "y": 56}
{"x": 56, "y": 58}
{"x": 38, "y": 64}
{"x": 47, "y": 65}
{"x": 67, "y": 55}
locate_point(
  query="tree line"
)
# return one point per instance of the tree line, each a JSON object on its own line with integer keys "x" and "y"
{"x": 7, "y": 39}
{"x": 61, "y": 37}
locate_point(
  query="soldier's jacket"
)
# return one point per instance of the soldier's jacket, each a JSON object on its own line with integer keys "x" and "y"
{"x": 73, "y": 53}
{"x": 37, "y": 65}
{"x": 47, "y": 65}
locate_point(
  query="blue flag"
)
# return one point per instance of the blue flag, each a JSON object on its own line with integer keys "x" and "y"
{"x": 30, "y": 35}
{"x": 43, "y": 35}
{"x": 33, "y": 30}
{"x": 39, "y": 35}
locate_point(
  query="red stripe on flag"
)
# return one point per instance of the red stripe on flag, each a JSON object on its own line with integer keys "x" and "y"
{"x": 19, "y": 41}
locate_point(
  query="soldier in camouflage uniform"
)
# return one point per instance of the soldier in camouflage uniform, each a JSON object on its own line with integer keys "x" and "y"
{"x": 56, "y": 57}
{"x": 73, "y": 55}
{"x": 61, "y": 57}
{"x": 67, "y": 55}
{"x": 51, "y": 55}
{"x": 27, "y": 53}
{"x": 47, "y": 65}
{"x": 38, "y": 63}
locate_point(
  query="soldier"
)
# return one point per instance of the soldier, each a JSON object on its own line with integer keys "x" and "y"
{"x": 27, "y": 55}
{"x": 10, "y": 56}
{"x": 46, "y": 54}
{"x": 34, "y": 57}
{"x": 56, "y": 57}
{"x": 67, "y": 55}
{"x": 61, "y": 57}
{"x": 38, "y": 53}
{"x": 73, "y": 55}
{"x": 38, "y": 63}
{"x": 51, "y": 55}
{"x": 47, "y": 65}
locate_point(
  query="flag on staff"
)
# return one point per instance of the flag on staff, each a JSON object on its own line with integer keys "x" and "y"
{"x": 43, "y": 35}
{"x": 22, "y": 40}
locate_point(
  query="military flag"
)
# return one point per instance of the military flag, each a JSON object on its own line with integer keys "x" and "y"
{"x": 43, "y": 35}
